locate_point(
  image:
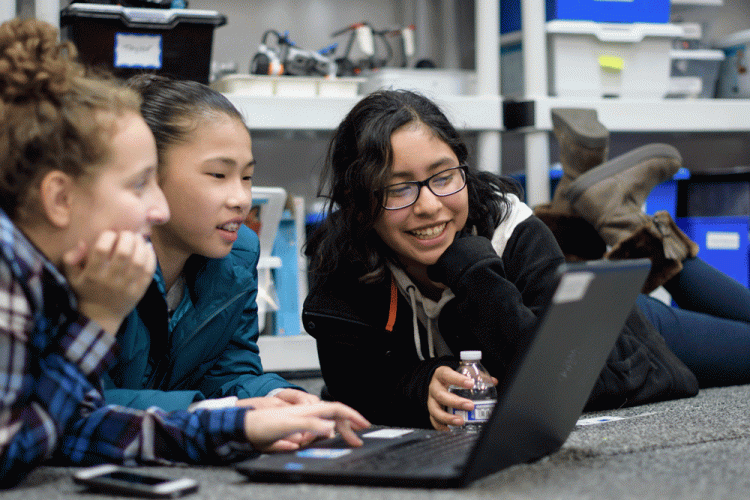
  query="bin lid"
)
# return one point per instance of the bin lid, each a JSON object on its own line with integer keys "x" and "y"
{"x": 615, "y": 32}
{"x": 697, "y": 54}
{"x": 138, "y": 17}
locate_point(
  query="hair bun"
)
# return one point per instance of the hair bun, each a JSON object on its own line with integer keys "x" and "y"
{"x": 33, "y": 62}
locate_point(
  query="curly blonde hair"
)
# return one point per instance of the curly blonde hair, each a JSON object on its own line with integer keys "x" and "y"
{"x": 54, "y": 113}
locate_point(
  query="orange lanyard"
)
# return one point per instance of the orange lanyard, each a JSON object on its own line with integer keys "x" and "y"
{"x": 392, "y": 308}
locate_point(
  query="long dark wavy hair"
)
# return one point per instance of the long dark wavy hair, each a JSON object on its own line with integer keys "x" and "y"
{"x": 357, "y": 169}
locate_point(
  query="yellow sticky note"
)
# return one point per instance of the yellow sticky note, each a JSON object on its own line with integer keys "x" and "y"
{"x": 611, "y": 63}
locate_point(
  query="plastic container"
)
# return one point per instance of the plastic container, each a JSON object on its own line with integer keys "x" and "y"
{"x": 734, "y": 77}
{"x": 605, "y": 11}
{"x": 716, "y": 193}
{"x": 175, "y": 42}
{"x": 289, "y": 86}
{"x": 723, "y": 242}
{"x": 428, "y": 80}
{"x": 588, "y": 59}
{"x": 484, "y": 393}
{"x": 700, "y": 63}
{"x": 714, "y": 211}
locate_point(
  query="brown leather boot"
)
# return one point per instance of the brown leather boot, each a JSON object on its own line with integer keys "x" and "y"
{"x": 662, "y": 241}
{"x": 611, "y": 196}
{"x": 584, "y": 144}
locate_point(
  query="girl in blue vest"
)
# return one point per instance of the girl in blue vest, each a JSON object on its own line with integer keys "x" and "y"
{"x": 192, "y": 340}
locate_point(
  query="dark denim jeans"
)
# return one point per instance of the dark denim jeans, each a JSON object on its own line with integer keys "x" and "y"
{"x": 710, "y": 329}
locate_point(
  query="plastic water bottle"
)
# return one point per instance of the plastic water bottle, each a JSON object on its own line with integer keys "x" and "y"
{"x": 484, "y": 393}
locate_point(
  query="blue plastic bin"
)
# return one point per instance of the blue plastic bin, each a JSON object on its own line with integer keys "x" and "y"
{"x": 723, "y": 243}
{"x": 714, "y": 211}
{"x": 604, "y": 11}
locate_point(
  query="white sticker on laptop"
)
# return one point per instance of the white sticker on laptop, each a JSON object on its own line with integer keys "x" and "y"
{"x": 572, "y": 287}
{"x": 134, "y": 50}
{"x": 387, "y": 433}
{"x": 328, "y": 453}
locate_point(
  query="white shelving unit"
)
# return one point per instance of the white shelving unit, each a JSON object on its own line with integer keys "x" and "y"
{"x": 472, "y": 113}
{"x": 655, "y": 115}
{"x": 618, "y": 115}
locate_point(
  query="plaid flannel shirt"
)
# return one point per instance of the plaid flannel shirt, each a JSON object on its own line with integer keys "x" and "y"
{"x": 51, "y": 404}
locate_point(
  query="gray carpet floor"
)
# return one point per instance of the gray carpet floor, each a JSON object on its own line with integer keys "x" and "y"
{"x": 694, "y": 448}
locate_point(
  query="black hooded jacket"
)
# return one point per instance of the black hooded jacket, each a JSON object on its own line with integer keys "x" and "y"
{"x": 375, "y": 367}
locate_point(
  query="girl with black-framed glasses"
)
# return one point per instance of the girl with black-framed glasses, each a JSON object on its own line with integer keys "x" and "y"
{"x": 411, "y": 266}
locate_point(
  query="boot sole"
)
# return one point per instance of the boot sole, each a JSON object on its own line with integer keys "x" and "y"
{"x": 617, "y": 165}
{"x": 582, "y": 124}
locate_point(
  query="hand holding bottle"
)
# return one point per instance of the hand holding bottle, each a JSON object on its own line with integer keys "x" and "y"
{"x": 440, "y": 401}
{"x": 463, "y": 398}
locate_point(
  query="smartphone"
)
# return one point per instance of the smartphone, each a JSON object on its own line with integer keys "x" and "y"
{"x": 115, "y": 479}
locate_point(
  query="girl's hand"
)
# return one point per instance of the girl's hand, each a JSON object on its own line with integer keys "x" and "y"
{"x": 439, "y": 398}
{"x": 288, "y": 428}
{"x": 297, "y": 397}
{"x": 110, "y": 278}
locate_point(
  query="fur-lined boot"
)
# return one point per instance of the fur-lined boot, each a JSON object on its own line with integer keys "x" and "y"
{"x": 584, "y": 144}
{"x": 611, "y": 196}
{"x": 662, "y": 241}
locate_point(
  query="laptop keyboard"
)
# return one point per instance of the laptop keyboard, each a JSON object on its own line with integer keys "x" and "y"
{"x": 440, "y": 448}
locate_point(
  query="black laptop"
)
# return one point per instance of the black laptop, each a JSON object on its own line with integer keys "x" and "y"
{"x": 539, "y": 402}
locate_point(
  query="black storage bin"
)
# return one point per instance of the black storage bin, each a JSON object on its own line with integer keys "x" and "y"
{"x": 127, "y": 41}
{"x": 715, "y": 193}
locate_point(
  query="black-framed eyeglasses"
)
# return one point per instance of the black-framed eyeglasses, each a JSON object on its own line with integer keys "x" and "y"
{"x": 443, "y": 183}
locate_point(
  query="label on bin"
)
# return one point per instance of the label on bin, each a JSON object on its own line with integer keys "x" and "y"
{"x": 135, "y": 50}
{"x": 722, "y": 240}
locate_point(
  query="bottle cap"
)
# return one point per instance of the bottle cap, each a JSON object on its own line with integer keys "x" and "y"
{"x": 471, "y": 355}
